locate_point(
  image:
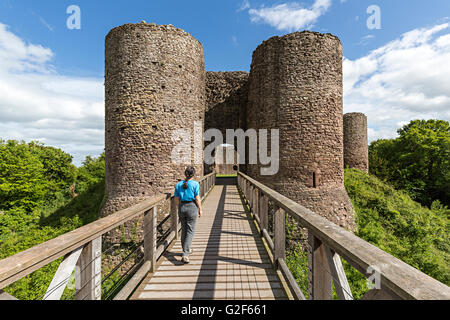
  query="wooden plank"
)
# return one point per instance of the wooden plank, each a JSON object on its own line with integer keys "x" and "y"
{"x": 208, "y": 294}
{"x": 150, "y": 233}
{"x": 89, "y": 272}
{"x": 279, "y": 234}
{"x": 214, "y": 279}
{"x": 174, "y": 217}
{"x": 211, "y": 286}
{"x": 268, "y": 239}
{"x": 295, "y": 289}
{"x": 379, "y": 294}
{"x": 319, "y": 275}
{"x": 6, "y": 296}
{"x": 397, "y": 276}
{"x": 255, "y": 207}
{"x": 62, "y": 276}
{"x": 339, "y": 278}
{"x": 228, "y": 255}
{"x": 264, "y": 213}
{"x": 131, "y": 285}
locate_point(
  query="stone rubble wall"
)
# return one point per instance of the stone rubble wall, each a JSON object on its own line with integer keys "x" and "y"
{"x": 296, "y": 87}
{"x": 356, "y": 145}
{"x": 154, "y": 84}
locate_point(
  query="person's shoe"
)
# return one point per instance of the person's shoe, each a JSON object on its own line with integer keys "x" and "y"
{"x": 191, "y": 251}
{"x": 185, "y": 259}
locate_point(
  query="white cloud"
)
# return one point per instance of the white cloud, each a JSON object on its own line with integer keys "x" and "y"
{"x": 290, "y": 16}
{"x": 36, "y": 103}
{"x": 244, "y": 6}
{"x": 403, "y": 80}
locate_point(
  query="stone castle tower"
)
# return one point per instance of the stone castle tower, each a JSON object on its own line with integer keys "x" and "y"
{"x": 356, "y": 151}
{"x": 296, "y": 87}
{"x": 156, "y": 83}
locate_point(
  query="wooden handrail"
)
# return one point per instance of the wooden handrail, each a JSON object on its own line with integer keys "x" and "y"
{"x": 30, "y": 260}
{"x": 23, "y": 263}
{"x": 397, "y": 277}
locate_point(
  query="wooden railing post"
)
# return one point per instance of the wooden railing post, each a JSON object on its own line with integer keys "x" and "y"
{"x": 279, "y": 235}
{"x": 319, "y": 276}
{"x": 256, "y": 201}
{"x": 248, "y": 192}
{"x": 251, "y": 194}
{"x": 264, "y": 213}
{"x": 88, "y": 273}
{"x": 150, "y": 237}
{"x": 174, "y": 216}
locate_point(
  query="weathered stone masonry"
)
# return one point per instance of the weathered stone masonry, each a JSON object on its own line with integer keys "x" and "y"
{"x": 356, "y": 151}
{"x": 226, "y": 103}
{"x": 296, "y": 87}
{"x": 156, "y": 82}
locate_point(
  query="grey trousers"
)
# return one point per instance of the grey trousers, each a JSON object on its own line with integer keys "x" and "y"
{"x": 188, "y": 217}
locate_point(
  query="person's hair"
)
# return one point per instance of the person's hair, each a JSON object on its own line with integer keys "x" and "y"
{"x": 189, "y": 173}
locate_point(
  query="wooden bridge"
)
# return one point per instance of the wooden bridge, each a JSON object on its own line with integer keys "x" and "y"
{"x": 236, "y": 254}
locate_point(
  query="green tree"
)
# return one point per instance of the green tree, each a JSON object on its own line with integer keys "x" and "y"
{"x": 418, "y": 161}
{"x": 91, "y": 173}
{"x": 22, "y": 177}
{"x": 58, "y": 166}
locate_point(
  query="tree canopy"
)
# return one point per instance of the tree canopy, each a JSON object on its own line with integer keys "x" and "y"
{"x": 418, "y": 161}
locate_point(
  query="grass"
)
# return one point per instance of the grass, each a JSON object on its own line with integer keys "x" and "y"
{"x": 392, "y": 221}
{"x": 226, "y": 175}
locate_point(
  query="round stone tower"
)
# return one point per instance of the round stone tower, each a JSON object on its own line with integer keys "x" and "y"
{"x": 154, "y": 84}
{"x": 356, "y": 145}
{"x": 296, "y": 86}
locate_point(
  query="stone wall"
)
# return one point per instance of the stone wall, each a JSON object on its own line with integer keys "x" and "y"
{"x": 154, "y": 84}
{"x": 296, "y": 86}
{"x": 356, "y": 145}
{"x": 226, "y": 102}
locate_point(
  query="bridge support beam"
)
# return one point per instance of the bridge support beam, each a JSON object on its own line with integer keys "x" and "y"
{"x": 263, "y": 213}
{"x": 319, "y": 275}
{"x": 279, "y": 235}
{"x": 174, "y": 217}
{"x": 88, "y": 273}
{"x": 150, "y": 237}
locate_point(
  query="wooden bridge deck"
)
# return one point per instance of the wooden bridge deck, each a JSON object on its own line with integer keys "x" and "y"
{"x": 229, "y": 260}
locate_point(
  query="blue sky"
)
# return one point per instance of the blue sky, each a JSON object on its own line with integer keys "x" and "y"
{"x": 57, "y": 73}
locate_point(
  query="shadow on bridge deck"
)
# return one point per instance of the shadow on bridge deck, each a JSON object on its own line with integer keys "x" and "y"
{"x": 229, "y": 259}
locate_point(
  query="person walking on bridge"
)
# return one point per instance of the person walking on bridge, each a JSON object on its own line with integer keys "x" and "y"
{"x": 187, "y": 195}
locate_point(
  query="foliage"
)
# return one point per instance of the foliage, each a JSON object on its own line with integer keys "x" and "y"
{"x": 393, "y": 222}
{"x": 58, "y": 166}
{"x": 297, "y": 262}
{"x": 92, "y": 172}
{"x": 22, "y": 177}
{"x": 37, "y": 205}
{"x": 418, "y": 161}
